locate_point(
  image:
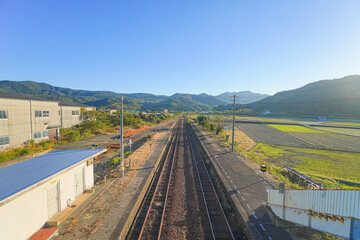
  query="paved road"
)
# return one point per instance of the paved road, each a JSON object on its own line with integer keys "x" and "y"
{"x": 248, "y": 187}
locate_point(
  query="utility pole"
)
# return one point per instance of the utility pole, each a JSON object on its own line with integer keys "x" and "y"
{"x": 233, "y": 128}
{"x": 122, "y": 137}
{"x": 130, "y": 153}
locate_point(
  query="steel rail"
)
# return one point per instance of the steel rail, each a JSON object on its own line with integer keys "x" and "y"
{"x": 168, "y": 186}
{"x": 201, "y": 187}
{"x": 170, "y": 150}
{"x": 193, "y": 142}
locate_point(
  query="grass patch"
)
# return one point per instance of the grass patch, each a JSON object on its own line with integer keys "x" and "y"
{"x": 325, "y": 164}
{"x": 294, "y": 128}
{"x": 29, "y": 149}
{"x": 272, "y": 168}
{"x": 116, "y": 160}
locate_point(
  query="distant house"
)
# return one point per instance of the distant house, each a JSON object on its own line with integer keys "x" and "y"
{"x": 24, "y": 118}
{"x": 322, "y": 118}
{"x": 36, "y": 190}
{"x": 109, "y": 111}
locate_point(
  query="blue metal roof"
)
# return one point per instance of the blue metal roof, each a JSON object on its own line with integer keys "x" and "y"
{"x": 20, "y": 176}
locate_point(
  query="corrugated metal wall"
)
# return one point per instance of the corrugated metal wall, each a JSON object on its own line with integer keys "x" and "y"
{"x": 333, "y": 211}
{"x": 345, "y": 203}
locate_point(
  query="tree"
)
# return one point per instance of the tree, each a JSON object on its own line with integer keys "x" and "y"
{"x": 219, "y": 125}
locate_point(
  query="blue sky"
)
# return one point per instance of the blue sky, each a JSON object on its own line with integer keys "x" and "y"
{"x": 169, "y": 46}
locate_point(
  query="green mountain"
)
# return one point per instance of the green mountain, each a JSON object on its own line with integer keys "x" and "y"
{"x": 184, "y": 102}
{"x": 108, "y": 99}
{"x": 243, "y": 97}
{"x": 326, "y": 97}
{"x": 201, "y": 98}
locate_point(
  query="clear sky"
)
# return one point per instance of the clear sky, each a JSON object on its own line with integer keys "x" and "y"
{"x": 170, "y": 46}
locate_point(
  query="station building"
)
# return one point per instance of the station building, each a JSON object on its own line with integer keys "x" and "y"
{"x": 24, "y": 118}
{"x": 36, "y": 190}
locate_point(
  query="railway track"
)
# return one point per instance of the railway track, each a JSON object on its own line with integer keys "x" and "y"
{"x": 151, "y": 208}
{"x": 220, "y": 228}
{"x": 181, "y": 192}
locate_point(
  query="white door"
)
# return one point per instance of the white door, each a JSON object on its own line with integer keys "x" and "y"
{"x": 53, "y": 199}
{"x": 79, "y": 182}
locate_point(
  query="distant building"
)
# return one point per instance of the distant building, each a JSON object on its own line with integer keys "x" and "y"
{"x": 166, "y": 111}
{"x": 109, "y": 111}
{"x": 36, "y": 190}
{"x": 24, "y": 118}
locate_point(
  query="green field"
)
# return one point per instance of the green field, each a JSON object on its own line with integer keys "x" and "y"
{"x": 277, "y": 120}
{"x": 314, "y": 162}
{"x": 294, "y": 129}
{"x": 354, "y": 132}
{"x": 342, "y": 123}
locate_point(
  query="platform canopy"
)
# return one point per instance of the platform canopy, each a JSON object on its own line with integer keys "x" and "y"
{"x": 23, "y": 175}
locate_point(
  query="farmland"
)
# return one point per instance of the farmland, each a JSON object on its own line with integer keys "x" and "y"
{"x": 265, "y": 134}
{"x": 294, "y": 128}
{"x": 241, "y": 139}
{"x": 330, "y": 141}
{"x": 322, "y": 155}
{"x": 321, "y": 139}
{"x": 349, "y": 131}
{"x": 343, "y": 124}
{"x": 313, "y": 162}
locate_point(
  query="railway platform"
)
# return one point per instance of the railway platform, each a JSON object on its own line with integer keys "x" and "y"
{"x": 248, "y": 191}
{"x": 120, "y": 218}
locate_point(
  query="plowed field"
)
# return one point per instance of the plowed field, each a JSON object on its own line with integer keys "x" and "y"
{"x": 265, "y": 134}
{"x": 330, "y": 141}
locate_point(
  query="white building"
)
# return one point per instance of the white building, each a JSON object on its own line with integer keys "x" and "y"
{"x": 70, "y": 113}
{"x": 24, "y": 118}
{"x": 35, "y": 190}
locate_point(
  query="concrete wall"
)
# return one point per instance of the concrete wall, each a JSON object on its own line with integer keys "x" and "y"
{"x": 21, "y": 123}
{"x": 27, "y": 213}
{"x": 17, "y": 126}
{"x": 40, "y": 124}
{"x": 67, "y": 118}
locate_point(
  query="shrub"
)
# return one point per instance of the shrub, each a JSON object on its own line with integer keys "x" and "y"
{"x": 116, "y": 160}
{"x": 149, "y": 136}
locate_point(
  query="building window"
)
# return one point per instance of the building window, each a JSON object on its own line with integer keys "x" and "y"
{"x": 46, "y": 114}
{"x": 37, "y": 135}
{"x": 45, "y": 134}
{"x": 75, "y": 112}
{"x": 38, "y": 113}
{"x": 3, "y": 114}
{"x": 4, "y": 141}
